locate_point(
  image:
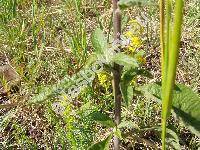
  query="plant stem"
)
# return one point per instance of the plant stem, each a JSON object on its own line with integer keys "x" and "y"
{"x": 117, "y": 71}
{"x": 162, "y": 39}
{"x": 163, "y": 53}
{"x": 168, "y": 35}
{"x": 171, "y": 75}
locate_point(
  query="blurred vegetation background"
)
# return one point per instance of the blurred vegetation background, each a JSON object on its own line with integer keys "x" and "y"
{"x": 46, "y": 40}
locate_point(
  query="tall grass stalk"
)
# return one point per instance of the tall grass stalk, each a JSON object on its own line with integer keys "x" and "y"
{"x": 173, "y": 42}
{"x": 162, "y": 38}
{"x": 168, "y": 34}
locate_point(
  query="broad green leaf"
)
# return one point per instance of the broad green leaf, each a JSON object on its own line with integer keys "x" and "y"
{"x": 103, "y": 119}
{"x": 125, "y": 60}
{"x": 127, "y": 77}
{"x": 100, "y": 45}
{"x": 123, "y": 4}
{"x": 86, "y": 75}
{"x": 172, "y": 139}
{"x": 126, "y": 88}
{"x": 186, "y": 104}
{"x": 42, "y": 96}
{"x": 127, "y": 93}
{"x": 99, "y": 41}
{"x": 102, "y": 145}
{"x": 152, "y": 91}
{"x": 91, "y": 59}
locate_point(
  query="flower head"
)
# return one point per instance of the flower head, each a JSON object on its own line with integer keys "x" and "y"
{"x": 136, "y": 41}
{"x": 103, "y": 79}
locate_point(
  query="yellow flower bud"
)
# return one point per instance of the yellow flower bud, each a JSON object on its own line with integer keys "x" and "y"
{"x": 102, "y": 77}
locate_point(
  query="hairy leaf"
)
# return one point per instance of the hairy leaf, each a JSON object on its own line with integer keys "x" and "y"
{"x": 131, "y": 73}
{"x": 127, "y": 77}
{"x": 172, "y": 139}
{"x": 91, "y": 59}
{"x": 103, "y": 119}
{"x": 127, "y": 93}
{"x": 100, "y": 45}
{"x": 125, "y": 60}
{"x": 99, "y": 41}
{"x": 76, "y": 82}
{"x": 102, "y": 145}
{"x": 186, "y": 104}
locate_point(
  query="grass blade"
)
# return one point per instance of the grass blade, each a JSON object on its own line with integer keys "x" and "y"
{"x": 175, "y": 45}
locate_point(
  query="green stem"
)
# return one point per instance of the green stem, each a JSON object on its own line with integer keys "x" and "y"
{"x": 162, "y": 39}
{"x": 173, "y": 55}
{"x": 168, "y": 35}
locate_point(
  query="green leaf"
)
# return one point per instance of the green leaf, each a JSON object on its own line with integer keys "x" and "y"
{"x": 123, "y": 4}
{"x": 64, "y": 85}
{"x": 127, "y": 93}
{"x": 127, "y": 77}
{"x": 91, "y": 59}
{"x": 186, "y": 104}
{"x": 140, "y": 53}
{"x": 131, "y": 73}
{"x": 102, "y": 145}
{"x": 100, "y": 45}
{"x": 103, "y": 119}
{"x": 172, "y": 139}
{"x": 144, "y": 73}
{"x": 126, "y": 89}
{"x": 117, "y": 133}
{"x": 152, "y": 91}
{"x": 42, "y": 96}
{"x": 99, "y": 41}
{"x": 125, "y": 60}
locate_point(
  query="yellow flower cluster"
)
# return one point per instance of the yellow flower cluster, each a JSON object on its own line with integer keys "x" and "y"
{"x": 103, "y": 79}
{"x": 133, "y": 35}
